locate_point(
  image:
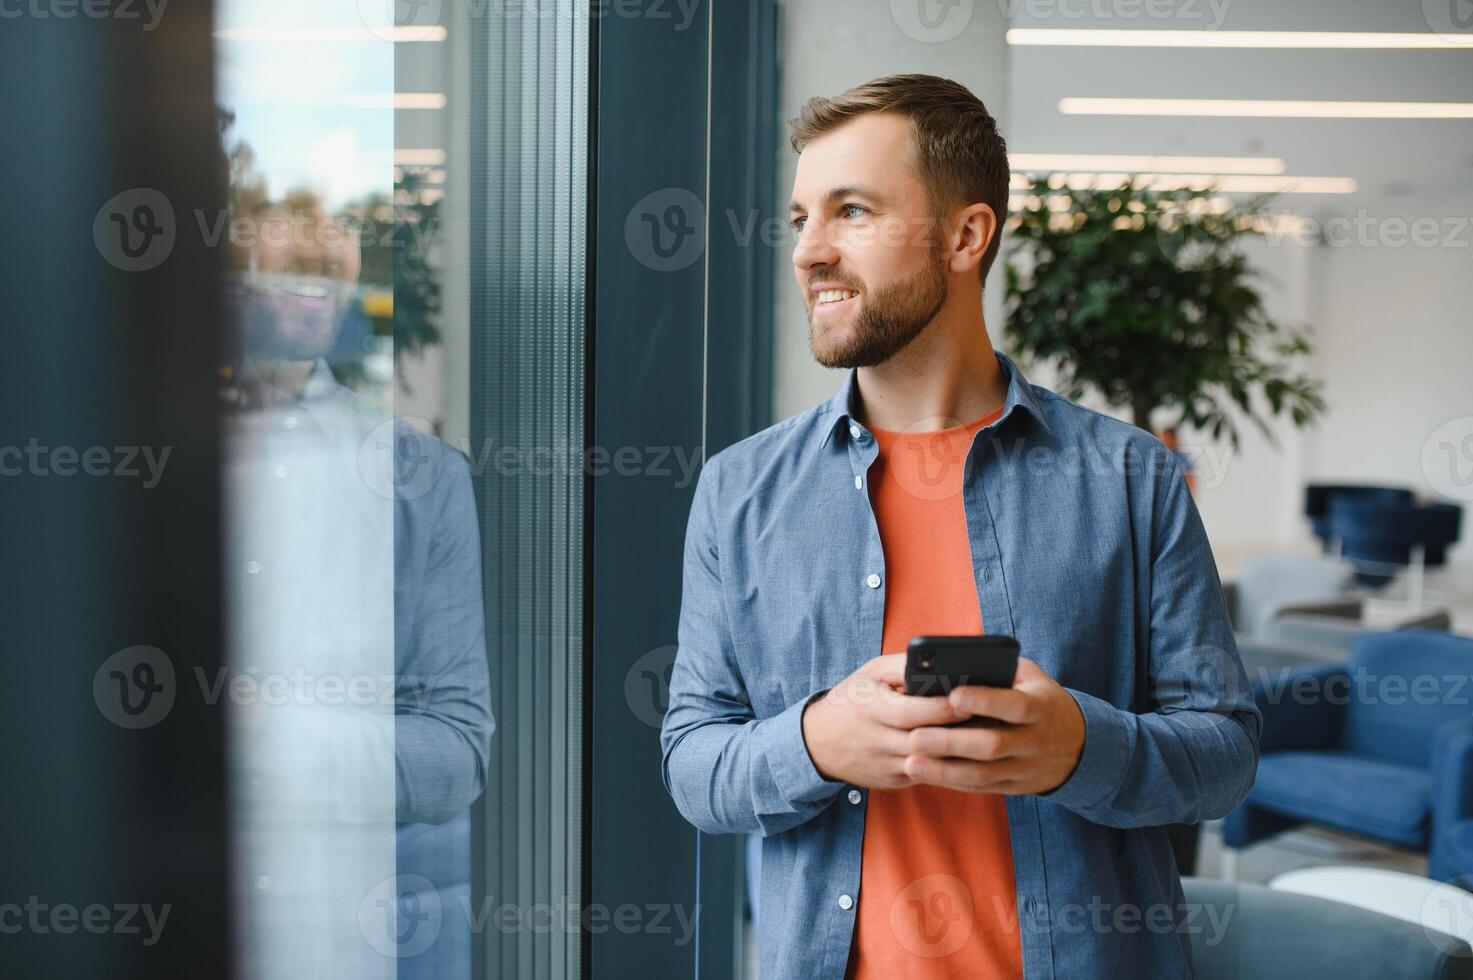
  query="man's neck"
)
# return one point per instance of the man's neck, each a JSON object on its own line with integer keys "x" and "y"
{"x": 947, "y": 376}
{"x": 290, "y": 376}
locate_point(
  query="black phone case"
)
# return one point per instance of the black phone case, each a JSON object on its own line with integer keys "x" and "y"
{"x": 934, "y": 665}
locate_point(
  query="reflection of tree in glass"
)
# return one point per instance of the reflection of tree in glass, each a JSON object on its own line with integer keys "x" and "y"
{"x": 402, "y": 258}
{"x": 248, "y": 192}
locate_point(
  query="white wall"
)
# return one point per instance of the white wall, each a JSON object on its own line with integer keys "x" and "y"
{"x": 1397, "y": 355}
{"x": 1251, "y": 497}
{"x": 1393, "y": 333}
{"x": 826, "y": 47}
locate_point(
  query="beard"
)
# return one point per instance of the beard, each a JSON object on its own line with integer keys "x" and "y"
{"x": 889, "y": 319}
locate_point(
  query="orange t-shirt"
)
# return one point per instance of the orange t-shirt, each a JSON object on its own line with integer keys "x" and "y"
{"x": 937, "y": 898}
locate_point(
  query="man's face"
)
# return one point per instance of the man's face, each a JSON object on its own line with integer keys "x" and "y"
{"x": 868, "y": 258}
{"x": 293, "y": 283}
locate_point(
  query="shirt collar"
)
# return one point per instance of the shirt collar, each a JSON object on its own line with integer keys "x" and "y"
{"x": 839, "y": 410}
{"x": 320, "y": 382}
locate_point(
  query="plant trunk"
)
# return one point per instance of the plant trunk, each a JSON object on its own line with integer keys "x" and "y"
{"x": 1141, "y": 409}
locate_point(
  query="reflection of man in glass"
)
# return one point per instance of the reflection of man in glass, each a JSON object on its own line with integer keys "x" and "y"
{"x": 357, "y": 692}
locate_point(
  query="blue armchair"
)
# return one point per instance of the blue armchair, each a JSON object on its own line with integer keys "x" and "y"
{"x": 1318, "y": 497}
{"x": 1381, "y": 745}
{"x": 1451, "y": 855}
{"x": 1379, "y": 537}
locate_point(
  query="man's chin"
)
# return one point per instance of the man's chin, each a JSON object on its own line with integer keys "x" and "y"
{"x": 840, "y": 356}
{"x": 832, "y": 345}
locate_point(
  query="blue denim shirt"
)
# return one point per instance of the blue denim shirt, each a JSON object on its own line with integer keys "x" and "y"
{"x": 1087, "y": 547}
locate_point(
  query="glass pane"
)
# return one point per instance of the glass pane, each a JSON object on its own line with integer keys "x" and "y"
{"x": 357, "y": 690}
{"x": 403, "y": 416}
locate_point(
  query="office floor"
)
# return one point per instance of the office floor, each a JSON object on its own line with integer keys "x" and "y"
{"x": 1306, "y": 847}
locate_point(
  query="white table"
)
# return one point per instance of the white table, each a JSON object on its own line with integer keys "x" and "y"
{"x": 1435, "y": 906}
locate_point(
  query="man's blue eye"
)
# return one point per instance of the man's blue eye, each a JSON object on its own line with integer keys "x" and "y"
{"x": 855, "y": 207}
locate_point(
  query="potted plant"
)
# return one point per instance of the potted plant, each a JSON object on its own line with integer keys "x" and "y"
{"x": 1145, "y": 297}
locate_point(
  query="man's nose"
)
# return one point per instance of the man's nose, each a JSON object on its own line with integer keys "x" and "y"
{"x": 814, "y": 247}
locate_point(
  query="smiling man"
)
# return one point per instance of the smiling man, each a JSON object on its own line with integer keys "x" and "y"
{"x": 938, "y": 492}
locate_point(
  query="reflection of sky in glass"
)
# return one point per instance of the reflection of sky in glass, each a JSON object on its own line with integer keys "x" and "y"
{"x": 315, "y": 112}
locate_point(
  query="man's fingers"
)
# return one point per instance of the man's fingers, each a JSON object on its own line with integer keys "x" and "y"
{"x": 1004, "y": 703}
{"x": 887, "y": 668}
{"x": 971, "y": 777}
{"x": 977, "y": 744}
{"x": 905, "y": 711}
{"x": 892, "y": 742}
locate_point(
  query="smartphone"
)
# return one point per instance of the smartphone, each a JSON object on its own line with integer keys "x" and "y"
{"x": 934, "y": 665}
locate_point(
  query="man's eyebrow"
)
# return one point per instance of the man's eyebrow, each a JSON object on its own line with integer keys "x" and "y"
{"x": 845, "y": 190}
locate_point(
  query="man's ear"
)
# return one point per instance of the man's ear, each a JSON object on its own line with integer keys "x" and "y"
{"x": 972, "y": 231}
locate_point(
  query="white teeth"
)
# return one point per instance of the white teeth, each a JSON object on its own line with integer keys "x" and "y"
{"x": 835, "y": 295}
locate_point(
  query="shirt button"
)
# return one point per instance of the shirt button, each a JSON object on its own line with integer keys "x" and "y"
{"x": 873, "y": 581}
{"x": 291, "y": 421}
{"x": 845, "y": 902}
{"x": 855, "y": 432}
{"x": 854, "y": 796}
{"x": 859, "y": 483}
{"x": 280, "y": 472}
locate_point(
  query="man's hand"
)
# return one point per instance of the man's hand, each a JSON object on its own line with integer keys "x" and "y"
{"x": 859, "y": 732}
{"x": 1036, "y": 751}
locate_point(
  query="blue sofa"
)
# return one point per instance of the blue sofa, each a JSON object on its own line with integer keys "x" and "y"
{"x": 1380, "y": 745}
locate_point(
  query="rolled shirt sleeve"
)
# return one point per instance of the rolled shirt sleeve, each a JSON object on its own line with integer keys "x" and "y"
{"x": 727, "y": 771}
{"x": 1193, "y": 755}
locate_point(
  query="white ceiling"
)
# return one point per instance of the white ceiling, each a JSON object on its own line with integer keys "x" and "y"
{"x": 1402, "y": 166}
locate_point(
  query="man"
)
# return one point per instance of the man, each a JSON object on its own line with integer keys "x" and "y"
{"x": 938, "y": 492}
{"x": 355, "y": 584}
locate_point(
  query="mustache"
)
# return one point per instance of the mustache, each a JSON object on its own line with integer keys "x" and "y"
{"x": 830, "y": 277}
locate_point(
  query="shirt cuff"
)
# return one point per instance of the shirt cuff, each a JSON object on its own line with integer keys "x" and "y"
{"x": 797, "y": 778}
{"x": 1102, "y": 760}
